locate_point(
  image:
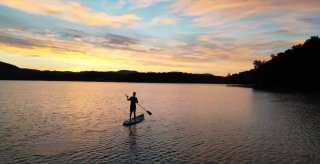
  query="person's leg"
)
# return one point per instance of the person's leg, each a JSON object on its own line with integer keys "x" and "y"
{"x": 134, "y": 113}
{"x": 130, "y": 113}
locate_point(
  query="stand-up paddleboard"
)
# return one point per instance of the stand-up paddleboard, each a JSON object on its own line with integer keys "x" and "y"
{"x": 138, "y": 119}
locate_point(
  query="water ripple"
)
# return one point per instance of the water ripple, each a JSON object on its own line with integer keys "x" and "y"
{"x": 79, "y": 122}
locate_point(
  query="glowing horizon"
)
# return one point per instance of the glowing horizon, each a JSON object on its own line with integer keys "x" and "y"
{"x": 203, "y": 36}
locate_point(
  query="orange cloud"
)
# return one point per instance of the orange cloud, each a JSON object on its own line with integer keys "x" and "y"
{"x": 205, "y": 38}
{"x": 70, "y": 11}
{"x": 215, "y": 12}
{"x": 143, "y": 3}
{"x": 78, "y": 56}
{"x": 163, "y": 20}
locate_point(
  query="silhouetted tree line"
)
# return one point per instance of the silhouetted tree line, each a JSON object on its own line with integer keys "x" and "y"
{"x": 11, "y": 72}
{"x": 297, "y": 67}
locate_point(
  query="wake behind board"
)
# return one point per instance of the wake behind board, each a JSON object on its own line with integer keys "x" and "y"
{"x": 138, "y": 119}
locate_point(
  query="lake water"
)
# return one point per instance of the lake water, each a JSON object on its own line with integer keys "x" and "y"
{"x": 81, "y": 122}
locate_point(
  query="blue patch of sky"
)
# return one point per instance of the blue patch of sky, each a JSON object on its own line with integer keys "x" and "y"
{"x": 11, "y": 18}
{"x": 108, "y": 7}
{"x": 148, "y": 13}
{"x": 32, "y": 22}
{"x": 35, "y": 23}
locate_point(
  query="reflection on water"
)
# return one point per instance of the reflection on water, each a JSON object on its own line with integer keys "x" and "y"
{"x": 80, "y": 122}
{"x": 132, "y": 138}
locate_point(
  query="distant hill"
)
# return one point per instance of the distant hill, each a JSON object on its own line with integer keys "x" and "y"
{"x": 7, "y": 67}
{"x": 11, "y": 72}
{"x": 296, "y": 68}
{"x": 126, "y": 72}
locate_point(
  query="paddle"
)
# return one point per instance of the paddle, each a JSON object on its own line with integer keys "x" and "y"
{"x": 142, "y": 107}
{"x": 145, "y": 110}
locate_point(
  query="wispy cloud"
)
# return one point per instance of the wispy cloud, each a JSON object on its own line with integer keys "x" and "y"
{"x": 118, "y": 52}
{"x": 311, "y": 20}
{"x": 162, "y": 20}
{"x": 71, "y": 11}
{"x": 216, "y": 12}
{"x": 215, "y": 36}
{"x": 136, "y": 4}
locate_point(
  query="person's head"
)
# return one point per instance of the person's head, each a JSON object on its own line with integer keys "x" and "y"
{"x": 134, "y": 93}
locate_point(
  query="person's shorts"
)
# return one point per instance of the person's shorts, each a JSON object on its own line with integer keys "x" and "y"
{"x": 132, "y": 108}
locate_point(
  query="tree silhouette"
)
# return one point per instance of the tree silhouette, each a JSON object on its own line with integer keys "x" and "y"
{"x": 258, "y": 63}
{"x": 11, "y": 72}
{"x": 297, "y": 67}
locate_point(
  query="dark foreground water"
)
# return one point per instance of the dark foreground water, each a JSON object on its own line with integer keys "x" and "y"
{"x": 81, "y": 122}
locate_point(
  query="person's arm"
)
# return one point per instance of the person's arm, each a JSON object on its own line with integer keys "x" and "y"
{"x": 128, "y": 98}
{"x": 137, "y": 101}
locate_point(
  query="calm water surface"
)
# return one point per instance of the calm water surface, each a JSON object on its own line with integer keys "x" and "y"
{"x": 81, "y": 122}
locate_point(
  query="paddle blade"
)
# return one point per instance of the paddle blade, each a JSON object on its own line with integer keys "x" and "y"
{"x": 149, "y": 112}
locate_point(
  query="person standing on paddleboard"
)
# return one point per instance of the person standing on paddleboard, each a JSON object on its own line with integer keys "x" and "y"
{"x": 134, "y": 101}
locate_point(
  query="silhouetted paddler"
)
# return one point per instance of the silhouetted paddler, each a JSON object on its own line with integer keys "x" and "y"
{"x": 134, "y": 101}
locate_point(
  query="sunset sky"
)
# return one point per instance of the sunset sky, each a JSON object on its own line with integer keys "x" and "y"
{"x": 198, "y": 36}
